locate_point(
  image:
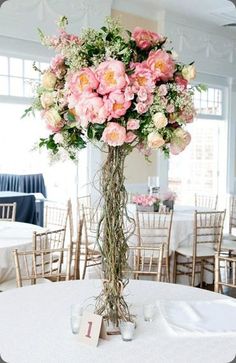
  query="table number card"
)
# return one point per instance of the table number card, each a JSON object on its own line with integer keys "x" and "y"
{"x": 91, "y": 328}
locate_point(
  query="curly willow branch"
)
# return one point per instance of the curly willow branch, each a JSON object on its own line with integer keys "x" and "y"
{"x": 110, "y": 303}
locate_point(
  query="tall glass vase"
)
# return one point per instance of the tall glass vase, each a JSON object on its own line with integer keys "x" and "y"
{"x": 110, "y": 303}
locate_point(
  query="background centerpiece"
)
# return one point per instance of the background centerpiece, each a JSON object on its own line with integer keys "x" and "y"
{"x": 121, "y": 90}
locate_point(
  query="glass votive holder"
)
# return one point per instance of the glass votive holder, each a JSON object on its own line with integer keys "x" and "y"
{"x": 149, "y": 311}
{"x": 127, "y": 330}
{"x": 76, "y": 312}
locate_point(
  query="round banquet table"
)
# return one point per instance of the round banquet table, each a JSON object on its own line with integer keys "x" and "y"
{"x": 35, "y": 327}
{"x": 13, "y": 235}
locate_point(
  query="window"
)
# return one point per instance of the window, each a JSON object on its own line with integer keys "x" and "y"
{"x": 209, "y": 102}
{"x": 205, "y": 156}
{"x": 17, "y": 76}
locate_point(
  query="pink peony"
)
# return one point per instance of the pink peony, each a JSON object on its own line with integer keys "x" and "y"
{"x": 91, "y": 108}
{"x": 145, "y": 38}
{"x": 114, "y": 134}
{"x": 142, "y": 77}
{"x": 180, "y": 139}
{"x": 130, "y": 137}
{"x": 161, "y": 64}
{"x": 116, "y": 104}
{"x": 132, "y": 124}
{"x": 82, "y": 81}
{"x": 111, "y": 76}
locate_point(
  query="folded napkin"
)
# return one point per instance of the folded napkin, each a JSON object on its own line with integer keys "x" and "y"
{"x": 199, "y": 317}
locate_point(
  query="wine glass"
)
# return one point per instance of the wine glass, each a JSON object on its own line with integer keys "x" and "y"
{"x": 153, "y": 184}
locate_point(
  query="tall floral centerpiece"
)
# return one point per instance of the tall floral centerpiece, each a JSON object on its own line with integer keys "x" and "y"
{"x": 121, "y": 90}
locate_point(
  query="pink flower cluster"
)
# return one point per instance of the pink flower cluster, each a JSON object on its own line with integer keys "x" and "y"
{"x": 145, "y": 200}
{"x": 168, "y": 195}
{"x": 100, "y": 95}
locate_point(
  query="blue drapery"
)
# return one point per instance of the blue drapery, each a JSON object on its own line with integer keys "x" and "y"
{"x": 25, "y": 205}
{"x": 29, "y": 183}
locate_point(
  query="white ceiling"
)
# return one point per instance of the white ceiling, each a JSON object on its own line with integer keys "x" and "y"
{"x": 218, "y": 12}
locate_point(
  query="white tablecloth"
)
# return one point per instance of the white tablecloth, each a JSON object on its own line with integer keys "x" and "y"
{"x": 35, "y": 327}
{"x": 13, "y": 235}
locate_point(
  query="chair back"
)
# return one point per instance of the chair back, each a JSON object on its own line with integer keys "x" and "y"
{"x": 232, "y": 213}
{"x": 8, "y": 212}
{"x": 228, "y": 266}
{"x": 146, "y": 261}
{"x": 49, "y": 239}
{"x": 83, "y": 202}
{"x": 154, "y": 228}
{"x": 75, "y": 253}
{"x": 40, "y": 264}
{"x": 208, "y": 229}
{"x": 206, "y": 201}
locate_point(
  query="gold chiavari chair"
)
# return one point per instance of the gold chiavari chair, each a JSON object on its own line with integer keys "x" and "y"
{"x": 153, "y": 230}
{"x": 229, "y": 239}
{"x": 207, "y": 238}
{"x": 75, "y": 254}
{"x": 83, "y": 202}
{"x": 146, "y": 261}
{"x": 225, "y": 272}
{"x": 8, "y": 212}
{"x": 38, "y": 266}
{"x": 206, "y": 201}
{"x": 90, "y": 255}
{"x": 58, "y": 216}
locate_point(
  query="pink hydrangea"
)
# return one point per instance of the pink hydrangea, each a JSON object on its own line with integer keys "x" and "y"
{"x": 114, "y": 134}
{"x": 116, "y": 104}
{"x": 145, "y": 38}
{"x": 111, "y": 76}
{"x": 180, "y": 139}
{"x": 132, "y": 124}
{"x": 130, "y": 137}
{"x": 82, "y": 81}
{"x": 91, "y": 108}
{"x": 161, "y": 64}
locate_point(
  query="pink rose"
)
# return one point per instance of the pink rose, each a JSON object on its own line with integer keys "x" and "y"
{"x": 116, "y": 104}
{"x": 130, "y": 137}
{"x": 141, "y": 107}
{"x": 111, "y": 76}
{"x": 114, "y": 134}
{"x": 161, "y": 64}
{"x": 82, "y": 81}
{"x": 142, "y": 94}
{"x": 128, "y": 93}
{"x": 180, "y": 139}
{"x": 48, "y": 80}
{"x": 145, "y": 38}
{"x": 91, "y": 108}
{"x": 162, "y": 90}
{"x": 181, "y": 82}
{"x": 170, "y": 108}
{"x": 132, "y": 124}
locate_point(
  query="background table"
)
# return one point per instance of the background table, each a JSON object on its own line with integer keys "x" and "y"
{"x": 13, "y": 235}
{"x": 35, "y": 327}
{"x": 25, "y": 205}
{"x": 25, "y": 183}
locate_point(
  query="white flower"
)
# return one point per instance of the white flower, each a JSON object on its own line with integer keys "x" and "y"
{"x": 48, "y": 80}
{"x": 159, "y": 120}
{"x": 189, "y": 72}
{"x": 155, "y": 140}
{"x": 47, "y": 99}
{"x": 58, "y": 138}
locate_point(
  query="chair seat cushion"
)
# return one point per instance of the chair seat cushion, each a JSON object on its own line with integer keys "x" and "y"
{"x": 202, "y": 251}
